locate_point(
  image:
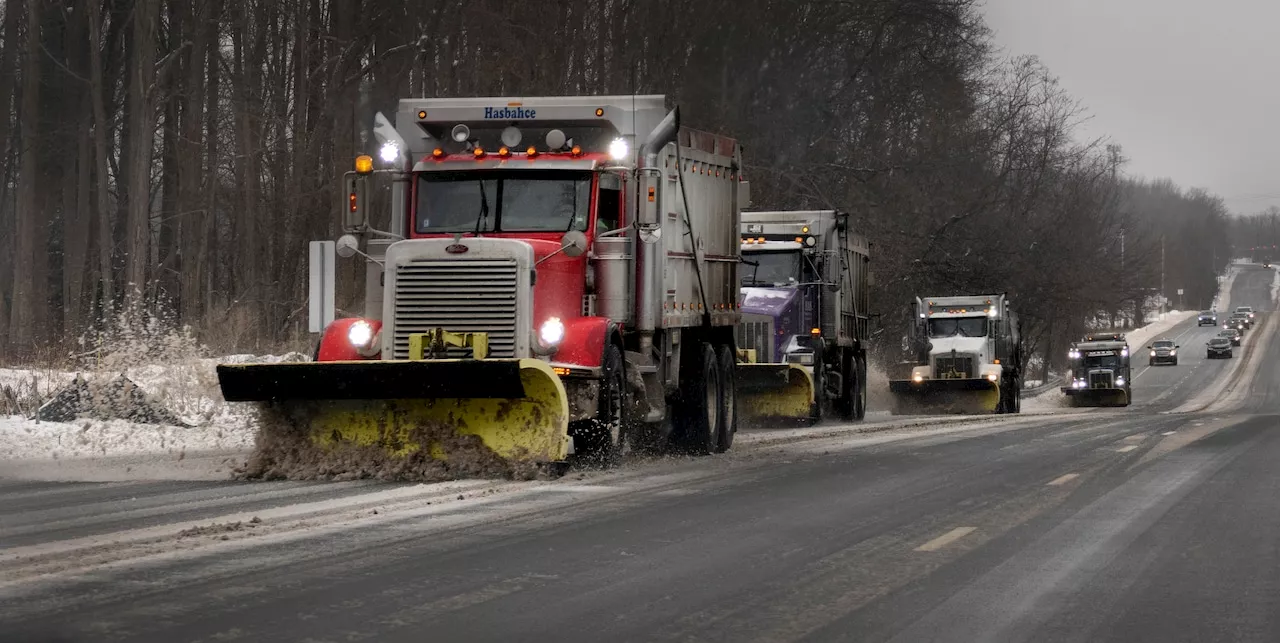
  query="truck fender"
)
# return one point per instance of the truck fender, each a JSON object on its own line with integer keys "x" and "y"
{"x": 584, "y": 341}
{"x": 334, "y": 345}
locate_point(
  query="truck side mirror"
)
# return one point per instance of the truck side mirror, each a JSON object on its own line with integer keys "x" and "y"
{"x": 347, "y": 246}
{"x": 573, "y": 243}
{"x": 355, "y": 215}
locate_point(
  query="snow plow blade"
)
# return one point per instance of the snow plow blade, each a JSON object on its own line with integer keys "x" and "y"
{"x": 514, "y": 409}
{"x": 774, "y": 392}
{"x": 945, "y": 397}
{"x": 1109, "y": 397}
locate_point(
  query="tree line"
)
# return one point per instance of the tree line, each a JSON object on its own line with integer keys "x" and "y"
{"x": 174, "y": 157}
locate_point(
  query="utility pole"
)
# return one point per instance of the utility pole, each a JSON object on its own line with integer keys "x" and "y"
{"x": 1162, "y": 296}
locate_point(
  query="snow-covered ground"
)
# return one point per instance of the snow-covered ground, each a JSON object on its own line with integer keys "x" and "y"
{"x": 219, "y": 432}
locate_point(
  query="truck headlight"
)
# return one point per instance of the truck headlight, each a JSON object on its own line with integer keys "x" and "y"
{"x": 360, "y": 334}
{"x": 1120, "y": 381}
{"x": 551, "y": 332}
{"x": 993, "y": 377}
{"x": 805, "y": 359}
{"x": 1153, "y": 353}
{"x": 917, "y": 378}
{"x": 618, "y": 149}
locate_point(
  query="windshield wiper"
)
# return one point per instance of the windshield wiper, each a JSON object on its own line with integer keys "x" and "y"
{"x": 484, "y": 209}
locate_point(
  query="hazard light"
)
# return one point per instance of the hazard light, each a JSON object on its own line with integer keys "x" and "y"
{"x": 364, "y": 164}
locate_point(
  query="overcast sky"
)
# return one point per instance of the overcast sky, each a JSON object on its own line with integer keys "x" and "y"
{"x": 1189, "y": 88}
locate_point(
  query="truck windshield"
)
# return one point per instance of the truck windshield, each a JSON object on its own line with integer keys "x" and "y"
{"x": 958, "y": 326}
{"x": 1102, "y": 361}
{"x": 503, "y": 201}
{"x": 773, "y": 269}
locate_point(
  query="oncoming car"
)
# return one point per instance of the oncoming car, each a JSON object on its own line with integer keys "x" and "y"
{"x": 1231, "y": 335}
{"x": 1163, "y": 351}
{"x": 1219, "y": 347}
{"x": 1247, "y": 311}
{"x": 1237, "y": 321}
{"x": 1207, "y": 318}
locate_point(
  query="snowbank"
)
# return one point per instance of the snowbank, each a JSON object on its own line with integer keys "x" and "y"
{"x": 22, "y": 439}
{"x": 187, "y": 387}
{"x": 1139, "y": 337}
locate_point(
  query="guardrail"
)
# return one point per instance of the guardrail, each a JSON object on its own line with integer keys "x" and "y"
{"x": 1051, "y": 383}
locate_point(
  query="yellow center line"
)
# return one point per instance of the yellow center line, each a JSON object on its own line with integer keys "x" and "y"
{"x": 946, "y": 539}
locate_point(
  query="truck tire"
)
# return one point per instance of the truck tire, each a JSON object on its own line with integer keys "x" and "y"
{"x": 698, "y": 415}
{"x": 819, "y": 392}
{"x": 1016, "y": 400}
{"x": 603, "y": 440}
{"x": 728, "y": 398}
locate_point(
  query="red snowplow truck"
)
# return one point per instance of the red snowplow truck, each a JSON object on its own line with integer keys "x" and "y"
{"x": 560, "y": 277}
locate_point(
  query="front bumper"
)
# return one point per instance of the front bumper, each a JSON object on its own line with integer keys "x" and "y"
{"x": 968, "y": 384}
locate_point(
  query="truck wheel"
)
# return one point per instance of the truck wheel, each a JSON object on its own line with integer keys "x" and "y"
{"x": 728, "y": 399}
{"x": 1015, "y": 405}
{"x": 819, "y": 392}
{"x": 699, "y": 415}
{"x": 603, "y": 439}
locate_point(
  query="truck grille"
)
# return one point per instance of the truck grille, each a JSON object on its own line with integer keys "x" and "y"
{"x": 947, "y": 367}
{"x": 757, "y": 333}
{"x": 458, "y": 295}
{"x": 1099, "y": 380}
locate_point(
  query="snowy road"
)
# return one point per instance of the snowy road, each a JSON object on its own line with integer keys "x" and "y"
{"x": 1087, "y": 524}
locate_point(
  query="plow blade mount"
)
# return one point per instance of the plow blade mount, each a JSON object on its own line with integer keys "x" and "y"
{"x": 517, "y": 409}
{"x": 1097, "y": 396}
{"x": 774, "y": 392}
{"x": 958, "y": 396}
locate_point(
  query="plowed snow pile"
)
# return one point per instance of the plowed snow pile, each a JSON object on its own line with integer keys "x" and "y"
{"x": 90, "y": 447}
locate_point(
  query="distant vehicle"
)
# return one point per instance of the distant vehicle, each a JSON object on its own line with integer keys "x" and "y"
{"x": 1207, "y": 318}
{"x": 1219, "y": 347}
{"x": 1232, "y": 335}
{"x": 1247, "y": 310}
{"x": 1237, "y": 321}
{"x": 1163, "y": 351}
{"x": 1266, "y": 264}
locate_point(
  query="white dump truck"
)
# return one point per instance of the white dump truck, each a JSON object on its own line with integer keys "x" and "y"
{"x": 968, "y": 357}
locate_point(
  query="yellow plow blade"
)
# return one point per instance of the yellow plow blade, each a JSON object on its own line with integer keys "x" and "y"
{"x": 774, "y": 392}
{"x": 403, "y": 419}
{"x": 945, "y": 397}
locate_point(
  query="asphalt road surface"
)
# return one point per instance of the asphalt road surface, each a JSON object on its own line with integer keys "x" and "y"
{"x": 1137, "y": 524}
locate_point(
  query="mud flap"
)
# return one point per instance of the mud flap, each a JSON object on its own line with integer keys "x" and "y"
{"x": 517, "y": 408}
{"x": 945, "y": 397}
{"x": 774, "y": 392}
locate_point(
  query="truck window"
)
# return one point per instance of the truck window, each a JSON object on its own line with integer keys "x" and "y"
{"x": 774, "y": 269}
{"x": 511, "y": 201}
{"x": 958, "y": 326}
{"x": 607, "y": 209}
